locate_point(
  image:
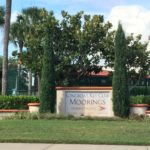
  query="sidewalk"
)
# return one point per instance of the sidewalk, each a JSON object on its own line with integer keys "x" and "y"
{"x": 25, "y": 146}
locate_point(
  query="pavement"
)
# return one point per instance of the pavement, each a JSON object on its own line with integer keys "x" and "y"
{"x": 26, "y": 146}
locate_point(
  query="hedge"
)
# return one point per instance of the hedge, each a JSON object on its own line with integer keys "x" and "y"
{"x": 16, "y": 102}
{"x": 140, "y": 90}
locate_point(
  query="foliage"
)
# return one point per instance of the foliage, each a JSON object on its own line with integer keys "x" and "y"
{"x": 22, "y": 32}
{"x": 17, "y": 33}
{"x": 16, "y": 102}
{"x": 138, "y": 96}
{"x": 120, "y": 81}
{"x": 2, "y": 14}
{"x": 47, "y": 89}
{"x": 140, "y": 90}
{"x": 78, "y": 48}
{"x": 138, "y": 58}
{"x": 147, "y": 99}
{"x": 12, "y": 76}
{"x": 83, "y": 43}
{"x": 138, "y": 99}
{"x": 12, "y": 73}
{"x": 35, "y": 21}
{"x": 80, "y": 42}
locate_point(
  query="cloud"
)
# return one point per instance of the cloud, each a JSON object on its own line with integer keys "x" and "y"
{"x": 135, "y": 19}
{"x": 107, "y": 4}
{"x": 14, "y": 16}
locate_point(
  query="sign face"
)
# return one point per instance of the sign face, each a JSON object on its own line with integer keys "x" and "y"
{"x": 88, "y": 103}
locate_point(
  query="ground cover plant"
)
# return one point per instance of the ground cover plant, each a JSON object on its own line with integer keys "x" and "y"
{"x": 98, "y": 131}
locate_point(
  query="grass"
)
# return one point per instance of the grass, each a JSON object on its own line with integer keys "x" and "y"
{"x": 76, "y": 131}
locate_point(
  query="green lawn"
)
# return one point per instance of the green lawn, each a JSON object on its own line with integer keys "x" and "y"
{"x": 79, "y": 131}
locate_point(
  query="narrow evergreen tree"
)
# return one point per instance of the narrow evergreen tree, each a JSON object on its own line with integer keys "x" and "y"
{"x": 47, "y": 90}
{"x": 120, "y": 83}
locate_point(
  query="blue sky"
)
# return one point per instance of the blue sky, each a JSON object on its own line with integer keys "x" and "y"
{"x": 134, "y": 14}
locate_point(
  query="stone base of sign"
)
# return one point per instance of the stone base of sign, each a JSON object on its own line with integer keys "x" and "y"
{"x": 85, "y": 101}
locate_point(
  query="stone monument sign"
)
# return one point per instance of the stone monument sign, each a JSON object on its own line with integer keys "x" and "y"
{"x": 85, "y": 101}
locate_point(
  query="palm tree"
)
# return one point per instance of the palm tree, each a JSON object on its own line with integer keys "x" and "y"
{"x": 17, "y": 37}
{"x": 19, "y": 33}
{"x": 31, "y": 16}
{"x": 5, "y": 48}
{"x": 2, "y": 14}
{"x": 34, "y": 17}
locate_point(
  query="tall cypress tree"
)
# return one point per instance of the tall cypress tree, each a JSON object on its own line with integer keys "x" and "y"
{"x": 120, "y": 81}
{"x": 47, "y": 90}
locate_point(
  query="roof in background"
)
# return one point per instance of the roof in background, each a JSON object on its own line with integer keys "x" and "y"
{"x": 103, "y": 73}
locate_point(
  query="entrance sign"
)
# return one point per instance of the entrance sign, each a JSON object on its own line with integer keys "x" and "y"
{"x": 85, "y": 101}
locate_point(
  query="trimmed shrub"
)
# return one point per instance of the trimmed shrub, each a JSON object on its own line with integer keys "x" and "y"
{"x": 47, "y": 90}
{"x": 120, "y": 80}
{"x": 16, "y": 102}
{"x": 139, "y": 99}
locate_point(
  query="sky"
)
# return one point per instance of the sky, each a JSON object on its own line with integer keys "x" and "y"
{"x": 133, "y": 14}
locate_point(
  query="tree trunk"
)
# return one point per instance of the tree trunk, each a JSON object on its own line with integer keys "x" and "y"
{"x": 18, "y": 88}
{"x": 39, "y": 85}
{"x": 29, "y": 83}
{"x": 5, "y": 48}
{"x": 35, "y": 87}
